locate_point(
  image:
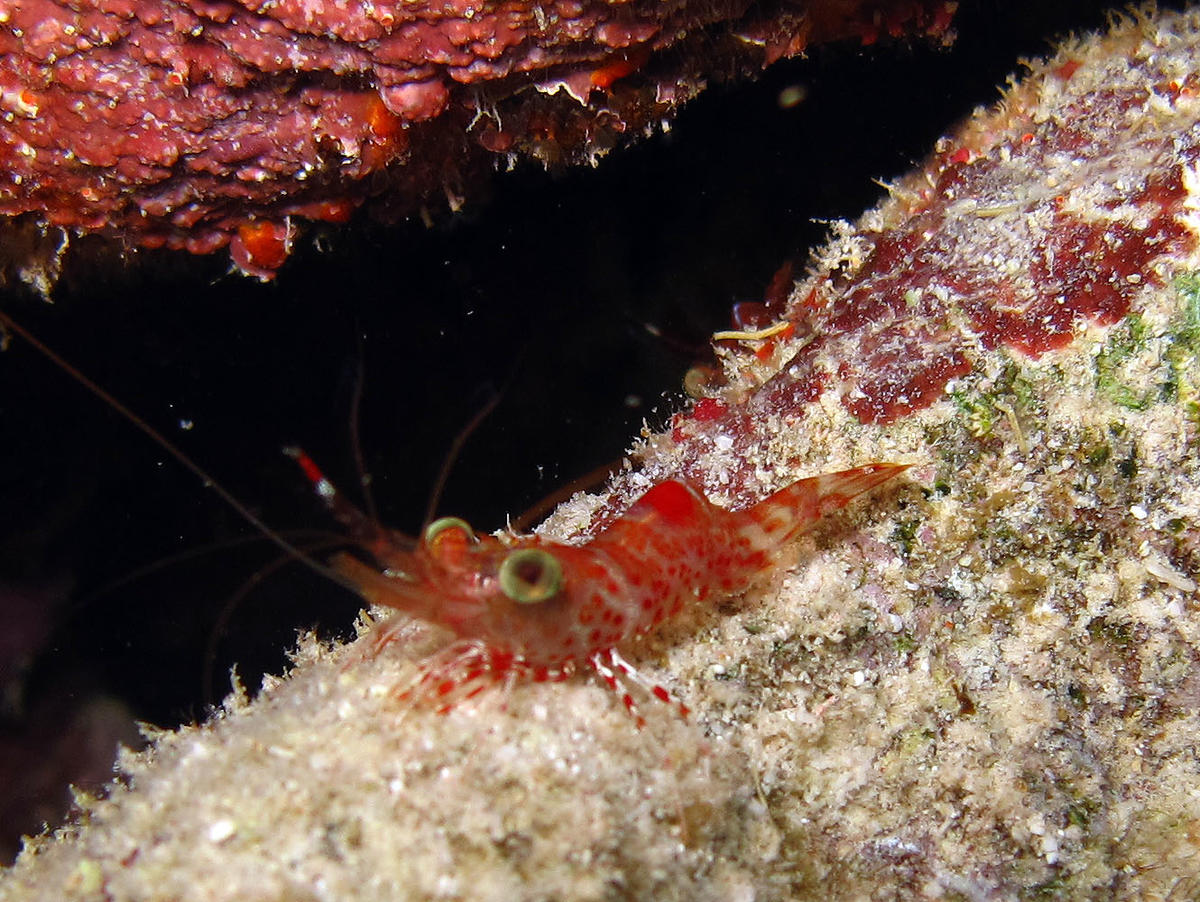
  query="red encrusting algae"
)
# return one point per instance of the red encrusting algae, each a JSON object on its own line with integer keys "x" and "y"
{"x": 1020, "y": 231}
{"x": 180, "y": 122}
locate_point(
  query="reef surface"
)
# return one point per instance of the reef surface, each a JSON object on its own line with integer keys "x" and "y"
{"x": 978, "y": 683}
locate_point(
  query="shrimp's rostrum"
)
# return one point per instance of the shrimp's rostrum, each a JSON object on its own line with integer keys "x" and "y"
{"x": 530, "y": 607}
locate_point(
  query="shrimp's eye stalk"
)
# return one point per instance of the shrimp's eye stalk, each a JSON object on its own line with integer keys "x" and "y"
{"x": 531, "y": 576}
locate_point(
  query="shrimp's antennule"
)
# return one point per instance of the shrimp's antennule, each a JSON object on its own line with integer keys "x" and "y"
{"x": 364, "y": 530}
{"x": 364, "y": 527}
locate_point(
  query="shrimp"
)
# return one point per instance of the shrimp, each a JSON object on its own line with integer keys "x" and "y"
{"x": 527, "y": 607}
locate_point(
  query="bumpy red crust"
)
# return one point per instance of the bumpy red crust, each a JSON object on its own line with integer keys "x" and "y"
{"x": 205, "y": 123}
{"x": 1021, "y": 231}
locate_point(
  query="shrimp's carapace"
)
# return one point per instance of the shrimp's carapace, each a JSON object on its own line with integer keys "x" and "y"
{"x": 527, "y": 606}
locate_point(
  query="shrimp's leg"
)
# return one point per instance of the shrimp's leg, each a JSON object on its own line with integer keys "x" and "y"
{"x": 613, "y": 670}
{"x": 465, "y": 669}
{"x": 456, "y": 673}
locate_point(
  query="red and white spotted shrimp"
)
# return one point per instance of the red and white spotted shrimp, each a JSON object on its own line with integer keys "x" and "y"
{"x": 528, "y": 607}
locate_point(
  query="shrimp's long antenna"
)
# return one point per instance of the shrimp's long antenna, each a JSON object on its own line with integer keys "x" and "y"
{"x": 435, "y": 496}
{"x": 589, "y": 481}
{"x": 208, "y": 681}
{"x": 360, "y": 377}
{"x": 9, "y": 324}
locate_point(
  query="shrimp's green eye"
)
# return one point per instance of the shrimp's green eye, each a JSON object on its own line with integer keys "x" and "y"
{"x": 531, "y": 576}
{"x": 442, "y": 524}
{"x": 448, "y": 539}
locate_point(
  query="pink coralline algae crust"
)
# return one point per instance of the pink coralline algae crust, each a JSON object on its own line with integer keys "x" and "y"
{"x": 190, "y": 123}
{"x": 970, "y": 257}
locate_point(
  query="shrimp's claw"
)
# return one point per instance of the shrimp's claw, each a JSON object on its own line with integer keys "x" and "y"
{"x": 794, "y": 510}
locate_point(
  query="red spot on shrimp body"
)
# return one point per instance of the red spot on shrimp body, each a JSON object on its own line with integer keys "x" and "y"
{"x": 672, "y": 501}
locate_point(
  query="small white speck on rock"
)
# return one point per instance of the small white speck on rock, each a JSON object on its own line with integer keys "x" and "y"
{"x": 221, "y": 830}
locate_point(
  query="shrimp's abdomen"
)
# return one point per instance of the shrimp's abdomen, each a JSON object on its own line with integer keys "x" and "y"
{"x": 674, "y": 547}
{"x": 795, "y": 509}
